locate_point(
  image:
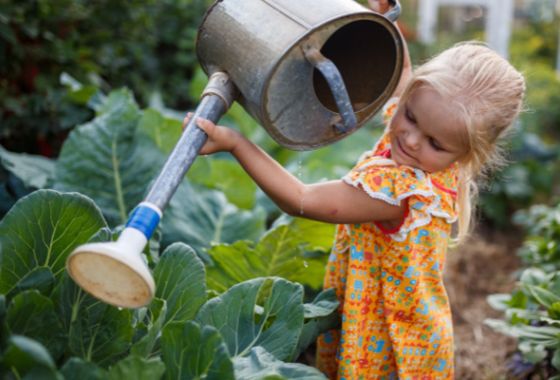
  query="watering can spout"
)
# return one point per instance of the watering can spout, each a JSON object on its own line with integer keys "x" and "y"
{"x": 115, "y": 272}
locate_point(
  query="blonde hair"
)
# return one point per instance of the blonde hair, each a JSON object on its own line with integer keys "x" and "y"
{"x": 486, "y": 92}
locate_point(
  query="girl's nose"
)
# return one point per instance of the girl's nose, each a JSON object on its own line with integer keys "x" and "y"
{"x": 412, "y": 140}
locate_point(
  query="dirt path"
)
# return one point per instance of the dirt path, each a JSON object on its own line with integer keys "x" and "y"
{"x": 484, "y": 265}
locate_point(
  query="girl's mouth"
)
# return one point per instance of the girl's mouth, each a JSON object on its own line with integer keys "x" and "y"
{"x": 399, "y": 145}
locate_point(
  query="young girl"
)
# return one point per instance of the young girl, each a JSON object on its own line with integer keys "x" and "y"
{"x": 395, "y": 210}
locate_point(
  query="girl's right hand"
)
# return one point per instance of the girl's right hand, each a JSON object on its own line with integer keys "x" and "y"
{"x": 379, "y": 6}
{"x": 220, "y": 139}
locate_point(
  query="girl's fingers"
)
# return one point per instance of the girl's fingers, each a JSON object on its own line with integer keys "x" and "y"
{"x": 205, "y": 125}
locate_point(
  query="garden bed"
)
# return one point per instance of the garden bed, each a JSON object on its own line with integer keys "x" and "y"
{"x": 483, "y": 266}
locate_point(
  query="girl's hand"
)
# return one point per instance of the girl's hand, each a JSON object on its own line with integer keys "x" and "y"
{"x": 220, "y": 139}
{"x": 379, "y": 6}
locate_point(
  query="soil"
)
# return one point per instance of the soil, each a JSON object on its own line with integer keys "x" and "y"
{"x": 484, "y": 265}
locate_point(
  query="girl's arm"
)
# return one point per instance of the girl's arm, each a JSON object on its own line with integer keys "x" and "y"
{"x": 333, "y": 201}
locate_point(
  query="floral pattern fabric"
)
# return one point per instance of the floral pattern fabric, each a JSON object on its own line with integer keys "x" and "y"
{"x": 396, "y": 320}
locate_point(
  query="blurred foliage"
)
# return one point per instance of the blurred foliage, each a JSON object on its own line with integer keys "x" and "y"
{"x": 532, "y": 310}
{"x": 542, "y": 246}
{"x": 532, "y": 175}
{"x": 146, "y": 45}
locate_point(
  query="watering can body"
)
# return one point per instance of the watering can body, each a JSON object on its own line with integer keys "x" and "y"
{"x": 261, "y": 45}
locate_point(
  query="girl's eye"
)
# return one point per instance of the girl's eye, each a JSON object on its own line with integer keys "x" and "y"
{"x": 435, "y": 145}
{"x": 409, "y": 116}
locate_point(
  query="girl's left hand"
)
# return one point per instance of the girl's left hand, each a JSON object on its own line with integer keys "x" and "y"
{"x": 220, "y": 139}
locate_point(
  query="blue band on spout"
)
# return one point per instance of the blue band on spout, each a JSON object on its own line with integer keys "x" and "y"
{"x": 145, "y": 219}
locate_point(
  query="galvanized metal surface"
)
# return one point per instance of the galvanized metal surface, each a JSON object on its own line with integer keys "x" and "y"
{"x": 217, "y": 98}
{"x": 259, "y": 44}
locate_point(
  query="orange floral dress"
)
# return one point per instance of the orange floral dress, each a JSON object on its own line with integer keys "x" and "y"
{"x": 396, "y": 320}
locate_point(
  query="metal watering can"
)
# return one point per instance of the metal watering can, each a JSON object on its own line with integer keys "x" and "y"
{"x": 310, "y": 71}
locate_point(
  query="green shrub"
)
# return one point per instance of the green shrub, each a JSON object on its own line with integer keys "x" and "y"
{"x": 532, "y": 311}
{"x": 146, "y": 45}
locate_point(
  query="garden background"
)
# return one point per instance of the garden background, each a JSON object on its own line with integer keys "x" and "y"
{"x": 91, "y": 98}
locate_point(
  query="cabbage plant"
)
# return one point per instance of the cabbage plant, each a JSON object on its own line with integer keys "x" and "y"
{"x": 51, "y": 329}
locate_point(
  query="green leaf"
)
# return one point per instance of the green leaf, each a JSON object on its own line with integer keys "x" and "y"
{"x": 100, "y": 159}
{"x": 279, "y": 253}
{"x": 260, "y": 312}
{"x": 227, "y": 176}
{"x": 335, "y": 160}
{"x": 40, "y": 278}
{"x": 260, "y": 364}
{"x": 2, "y": 310}
{"x": 134, "y": 367}
{"x": 235, "y": 263}
{"x": 154, "y": 322}
{"x": 97, "y": 332}
{"x": 317, "y": 236}
{"x": 533, "y": 276}
{"x": 320, "y": 316}
{"x": 500, "y": 326}
{"x": 77, "y": 368}
{"x": 24, "y": 354}
{"x": 158, "y": 131}
{"x": 180, "y": 279}
{"x": 554, "y": 311}
{"x": 499, "y": 301}
{"x": 324, "y": 304}
{"x": 517, "y": 315}
{"x": 193, "y": 352}
{"x": 200, "y": 218}
{"x": 33, "y": 315}
{"x": 543, "y": 296}
{"x": 34, "y": 171}
{"x": 533, "y": 353}
{"x": 556, "y": 359}
{"x": 546, "y": 336}
{"x": 40, "y": 231}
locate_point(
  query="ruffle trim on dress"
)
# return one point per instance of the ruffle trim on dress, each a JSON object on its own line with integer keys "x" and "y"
{"x": 417, "y": 216}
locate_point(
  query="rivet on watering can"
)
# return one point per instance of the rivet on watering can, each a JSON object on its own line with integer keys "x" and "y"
{"x": 338, "y": 125}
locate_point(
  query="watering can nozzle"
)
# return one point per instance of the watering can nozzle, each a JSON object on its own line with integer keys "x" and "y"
{"x": 114, "y": 272}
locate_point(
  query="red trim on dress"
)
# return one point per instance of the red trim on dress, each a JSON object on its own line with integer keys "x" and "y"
{"x": 388, "y": 231}
{"x": 385, "y": 153}
{"x": 443, "y": 188}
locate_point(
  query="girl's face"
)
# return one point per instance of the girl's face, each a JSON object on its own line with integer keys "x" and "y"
{"x": 425, "y": 133}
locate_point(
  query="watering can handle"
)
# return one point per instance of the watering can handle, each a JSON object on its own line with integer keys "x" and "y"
{"x": 394, "y": 13}
{"x": 336, "y": 84}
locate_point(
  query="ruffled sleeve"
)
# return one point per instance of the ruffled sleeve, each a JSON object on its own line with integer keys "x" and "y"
{"x": 389, "y": 109}
{"x": 382, "y": 179}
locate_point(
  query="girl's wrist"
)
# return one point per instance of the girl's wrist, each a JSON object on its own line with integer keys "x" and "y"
{"x": 235, "y": 138}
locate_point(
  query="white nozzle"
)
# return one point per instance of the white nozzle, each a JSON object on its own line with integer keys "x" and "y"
{"x": 114, "y": 272}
